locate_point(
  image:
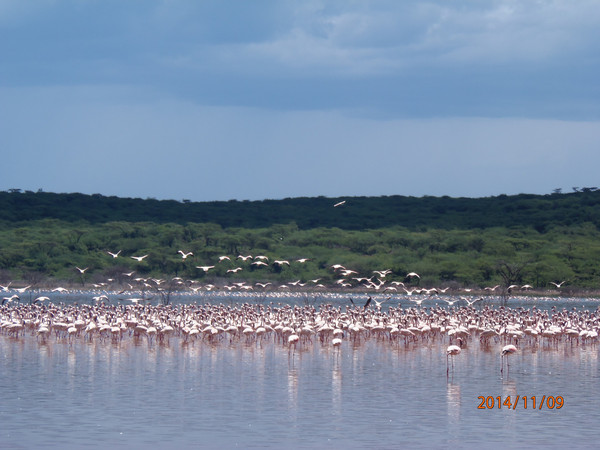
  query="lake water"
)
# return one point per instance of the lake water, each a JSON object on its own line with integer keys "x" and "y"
{"x": 372, "y": 395}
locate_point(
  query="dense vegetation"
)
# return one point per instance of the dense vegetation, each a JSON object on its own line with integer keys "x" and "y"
{"x": 539, "y": 212}
{"x": 466, "y": 242}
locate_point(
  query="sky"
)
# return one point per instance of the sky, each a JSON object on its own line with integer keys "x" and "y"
{"x": 252, "y": 100}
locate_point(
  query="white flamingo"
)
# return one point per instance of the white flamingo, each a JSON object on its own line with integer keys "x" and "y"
{"x": 451, "y": 351}
{"x": 184, "y": 255}
{"x": 507, "y": 350}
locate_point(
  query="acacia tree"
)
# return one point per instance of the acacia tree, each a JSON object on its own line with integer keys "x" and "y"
{"x": 511, "y": 273}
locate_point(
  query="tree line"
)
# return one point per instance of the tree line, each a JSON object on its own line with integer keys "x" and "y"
{"x": 540, "y": 212}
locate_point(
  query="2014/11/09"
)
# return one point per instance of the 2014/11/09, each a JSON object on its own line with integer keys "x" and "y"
{"x": 550, "y": 402}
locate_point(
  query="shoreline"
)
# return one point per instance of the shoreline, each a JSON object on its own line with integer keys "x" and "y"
{"x": 193, "y": 286}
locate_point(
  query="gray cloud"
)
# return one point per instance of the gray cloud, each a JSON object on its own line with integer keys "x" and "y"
{"x": 271, "y": 99}
{"x": 493, "y": 58}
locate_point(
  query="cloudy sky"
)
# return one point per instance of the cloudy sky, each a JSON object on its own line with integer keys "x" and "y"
{"x": 220, "y": 100}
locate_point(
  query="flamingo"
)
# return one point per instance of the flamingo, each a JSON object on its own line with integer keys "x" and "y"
{"x": 368, "y": 302}
{"x": 347, "y": 272}
{"x": 292, "y": 340}
{"x": 382, "y": 273}
{"x": 184, "y": 255}
{"x": 337, "y": 343}
{"x": 12, "y": 298}
{"x": 259, "y": 263}
{"x": 471, "y": 302}
{"x": 378, "y": 304}
{"x": 452, "y": 350}
{"x": 450, "y": 302}
{"x": 507, "y": 350}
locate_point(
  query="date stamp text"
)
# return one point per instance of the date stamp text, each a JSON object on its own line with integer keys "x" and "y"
{"x": 524, "y": 402}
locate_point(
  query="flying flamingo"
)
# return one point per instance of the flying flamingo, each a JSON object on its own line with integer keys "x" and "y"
{"x": 378, "y": 304}
{"x": 471, "y": 302}
{"x": 382, "y": 273}
{"x": 367, "y": 303}
{"x": 184, "y": 255}
{"x": 259, "y": 263}
{"x": 22, "y": 290}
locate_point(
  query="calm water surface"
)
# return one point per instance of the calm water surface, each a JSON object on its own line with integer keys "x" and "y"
{"x": 373, "y": 395}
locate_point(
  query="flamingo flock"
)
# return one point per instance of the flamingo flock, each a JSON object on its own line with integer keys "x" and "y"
{"x": 327, "y": 324}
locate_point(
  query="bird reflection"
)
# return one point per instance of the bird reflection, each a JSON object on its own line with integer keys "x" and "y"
{"x": 292, "y": 386}
{"x": 453, "y": 403}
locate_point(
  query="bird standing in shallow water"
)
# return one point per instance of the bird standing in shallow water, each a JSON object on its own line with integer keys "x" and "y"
{"x": 451, "y": 351}
{"x": 507, "y": 350}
